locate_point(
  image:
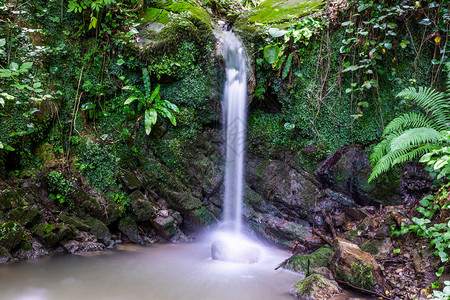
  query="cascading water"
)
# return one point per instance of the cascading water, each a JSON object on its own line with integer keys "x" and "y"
{"x": 235, "y": 117}
{"x": 230, "y": 244}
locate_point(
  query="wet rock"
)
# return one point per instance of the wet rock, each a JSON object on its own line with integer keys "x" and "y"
{"x": 141, "y": 207}
{"x": 91, "y": 207}
{"x": 74, "y": 247}
{"x": 315, "y": 287}
{"x": 130, "y": 229}
{"x": 11, "y": 199}
{"x": 359, "y": 213}
{"x": 11, "y": 235}
{"x": 378, "y": 247}
{"x": 26, "y": 216}
{"x": 76, "y": 223}
{"x": 5, "y": 256}
{"x": 294, "y": 192}
{"x": 347, "y": 171}
{"x": 129, "y": 180}
{"x": 165, "y": 226}
{"x": 99, "y": 230}
{"x": 319, "y": 258}
{"x": 352, "y": 265}
{"x": 280, "y": 231}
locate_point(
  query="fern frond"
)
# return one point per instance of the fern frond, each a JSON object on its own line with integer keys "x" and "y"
{"x": 406, "y": 121}
{"x": 383, "y": 164}
{"x": 415, "y": 137}
{"x": 383, "y": 147}
{"x": 411, "y": 155}
{"x": 433, "y": 102}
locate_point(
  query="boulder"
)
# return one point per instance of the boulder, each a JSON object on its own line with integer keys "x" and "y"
{"x": 347, "y": 171}
{"x": 11, "y": 199}
{"x": 141, "y": 207}
{"x": 165, "y": 226}
{"x": 53, "y": 234}
{"x": 315, "y": 287}
{"x": 11, "y": 235}
{"x": 78, "y": 224}
{"x": 129, "y": 181}
{"x": 83, "y": 242}
{"x": 27, "y": 216}
{"x": 99, "y": 230}
{"x": 130, "y": 229}
{"x": 378, "y": 247}
{"x": 359, "y": 268}
{"x": 5, "y": 256}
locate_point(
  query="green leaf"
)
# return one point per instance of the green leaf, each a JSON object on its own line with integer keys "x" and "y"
{"x": 271, "y": 53}
{"x": 14, "y": 66}
{"x": 26, "y": 65}
{"x": 350, "y": 68}
{"x": 130, "y": 100}
{"x": 150, "y": 118}
{"x": 388, "y": 46}
{"x": 425, "y": 22}
{"x": 287, "y": 67}
{"x": 154, "y": 94}
{"x": 2, "y": 42}
{"x": 275, "y": 32}
{"x": 146, "y": 78}
{"x": 120, "y": 62}
{"x": 170, "y": 105}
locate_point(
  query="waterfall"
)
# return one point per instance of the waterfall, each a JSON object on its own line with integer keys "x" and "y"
{"x": 235, "y": 119}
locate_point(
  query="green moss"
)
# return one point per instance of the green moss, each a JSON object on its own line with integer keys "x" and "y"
{"x": 26, "y": 215}
{"x": 204, "y": 216}
{"x": 11, "y": 235}
{"x": 320, "y": 258}
{"x": 151, "y": 14}
{"x": 76, "y": 223}
{"x": 360, "y": 275}
{"x": 47, "y": 233}
{"x": 10, "y": 199}
{"x": 272, "y": 11}
{"x": 99, "y": 229}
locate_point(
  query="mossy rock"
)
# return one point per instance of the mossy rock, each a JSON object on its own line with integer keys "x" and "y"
{"x": 314, "y": 287}
{"x": 99, "y": 229}
{"x": 92, "y": 207}
{"x": 76, "y": 223}
{"x": 54, "y": 234}
{"x": 47, "y": 234}
{"x": 130, "y": 229}
{"x": 320, "y": 258}
{"x": 11, "y": 199}
{"x": 129, "y": 180}
{"x": 26, "y": 216}
{"x": 141, "y": 207}
{"x": 204, "y": 216}
{"x": 11, "y": 235}
{"x": 5, "y": 256}
{"x": 113, "y": 212}
{"x": 276, "y": 12}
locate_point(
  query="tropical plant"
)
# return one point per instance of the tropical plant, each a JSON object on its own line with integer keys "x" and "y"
{"x": 413, "y": 134}
{"x": 152, "y": 103}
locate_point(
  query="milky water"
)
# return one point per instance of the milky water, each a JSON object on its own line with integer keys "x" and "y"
{"x": 160, "y": 272}
{"x": 234, "y": 109}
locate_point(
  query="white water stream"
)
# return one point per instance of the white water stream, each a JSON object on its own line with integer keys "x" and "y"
{"x": 235, "y": 117}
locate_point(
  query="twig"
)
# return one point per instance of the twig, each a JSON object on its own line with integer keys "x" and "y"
{"x": 364, "y": 290}
{"x": 322, "y": 237}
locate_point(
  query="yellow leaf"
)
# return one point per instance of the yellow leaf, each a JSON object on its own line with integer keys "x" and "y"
{"x": 437, "y": 39}
{"x": 384, "y": 51}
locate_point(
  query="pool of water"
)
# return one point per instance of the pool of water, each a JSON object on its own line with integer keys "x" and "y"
{"x": 159, "y": 272}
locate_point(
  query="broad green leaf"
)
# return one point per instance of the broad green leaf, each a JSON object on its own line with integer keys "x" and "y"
{"x": 425, "y": 22}
{"x": 275, "y": 32}
{"x": 170, "y": 105}
{"x": 26, "y": 65}
{"x": 147, "y": 85}
{"x": 14, "y": 66}
{"x": 351, "y": 68}
{"x": 5, "y": 73}
{"x": 2, "y": 42}
{"x": 271, "y": 53}
{"x": 130, "y": 100}
{"x": 120, "y": 62}
{"x": 154, "y": 94}
{"x": 150, "y": 118}
{"x": 287, "y": 67}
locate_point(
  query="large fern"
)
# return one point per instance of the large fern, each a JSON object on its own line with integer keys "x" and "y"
{"x": 412, "y": 134}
